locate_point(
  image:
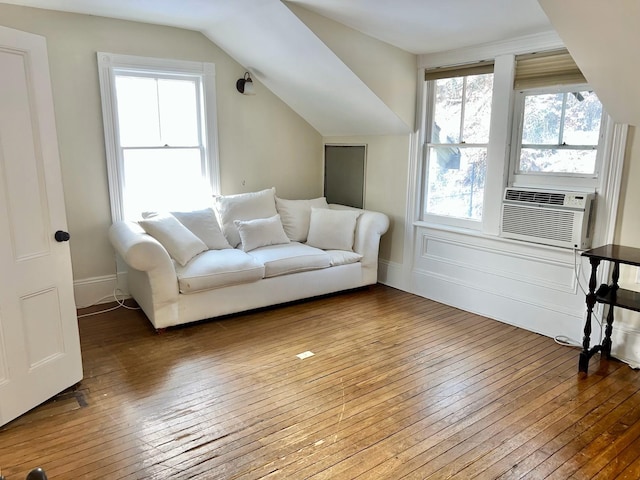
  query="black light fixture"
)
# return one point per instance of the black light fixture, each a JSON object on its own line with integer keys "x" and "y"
{"x": 245, "y": 85}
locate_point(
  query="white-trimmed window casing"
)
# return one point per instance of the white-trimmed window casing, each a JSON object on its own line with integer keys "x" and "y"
{"x": 201, "y": 74}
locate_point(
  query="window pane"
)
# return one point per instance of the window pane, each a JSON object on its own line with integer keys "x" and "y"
{"x": 542, "y": 116}
{"x": 447, "y": 111}
{"x": 163, "y": 180}
{"x": 582, "y": 119}
{"x": 456, "y": 182}
{"x": 178, "y": 112}
{"x": 552, "y": 160}
{"x": 477, "y": 110}
{"x": 138, "y": 116}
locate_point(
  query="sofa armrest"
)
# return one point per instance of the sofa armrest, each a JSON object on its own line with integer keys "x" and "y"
{"x": 137, "y": 249}
{"x": 370, "y": 227}
{"x": 155, "y": 282}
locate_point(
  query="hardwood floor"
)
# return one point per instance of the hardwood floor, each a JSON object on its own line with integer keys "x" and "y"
{"x": 398, "y": 387}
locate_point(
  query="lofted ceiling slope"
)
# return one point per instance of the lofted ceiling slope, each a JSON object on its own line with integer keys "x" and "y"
{"x": 275, "y": 46}
{"x": 289, "y": 59}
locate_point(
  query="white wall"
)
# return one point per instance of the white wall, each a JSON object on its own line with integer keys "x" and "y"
{"x": 262, "y": 141}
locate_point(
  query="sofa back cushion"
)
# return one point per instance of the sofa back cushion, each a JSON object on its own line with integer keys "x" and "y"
{"x": 243, "y": 206}
{"x": 295, "y": 215}
{"x": 332, "y": 229}
{"x": 204, "y": 225}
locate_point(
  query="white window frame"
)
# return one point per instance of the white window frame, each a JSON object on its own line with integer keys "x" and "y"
{"x": 568, "y": 181}
{"x": 467, "y": 223}
{"x": 109, "y": 65}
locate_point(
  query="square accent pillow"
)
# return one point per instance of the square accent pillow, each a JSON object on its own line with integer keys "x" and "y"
{"x": 177, "y": 239}
{"x": 332, "y": 229}
{"x": 261, "y": 232}
{"x": 244, "y": 206}
{"x": 204, "y": 225}
{"x": 295, "y": 215}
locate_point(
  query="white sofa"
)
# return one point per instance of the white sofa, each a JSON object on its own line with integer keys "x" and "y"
{"x": 308, "y": 248}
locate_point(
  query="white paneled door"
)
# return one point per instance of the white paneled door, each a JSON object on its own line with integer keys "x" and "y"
{"x": 39, "y": 342}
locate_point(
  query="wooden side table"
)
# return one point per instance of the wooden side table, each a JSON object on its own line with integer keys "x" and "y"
{"x": 609, "y": 294}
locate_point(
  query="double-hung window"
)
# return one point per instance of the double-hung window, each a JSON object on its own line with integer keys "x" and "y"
{"x": 160, "y": 132}
{"x": 457, "y": 137}
{"x": 558, "y": 124}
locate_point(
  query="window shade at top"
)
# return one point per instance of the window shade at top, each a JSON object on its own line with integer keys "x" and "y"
{"x": 546, "y": 69}
{"x": 458, "y": 71}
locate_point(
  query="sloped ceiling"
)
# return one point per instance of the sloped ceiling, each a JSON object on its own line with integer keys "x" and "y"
{"x": 603, "y": 38}
{"x": 275, "y": 46}
{"x": 288, "y": 58}
{"x": 295, "y": 65}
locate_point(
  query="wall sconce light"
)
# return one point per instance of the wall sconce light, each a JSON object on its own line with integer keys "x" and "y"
{"x": 245, "y": 85}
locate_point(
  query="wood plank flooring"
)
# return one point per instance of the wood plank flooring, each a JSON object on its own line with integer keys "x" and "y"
{"x": 398, "y": 387}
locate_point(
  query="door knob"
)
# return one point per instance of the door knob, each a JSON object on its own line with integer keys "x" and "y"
{"x": 62, "y": 236}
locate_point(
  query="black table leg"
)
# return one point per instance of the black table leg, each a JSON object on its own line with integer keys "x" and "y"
{"x": 606, "y": 343}
{"x": 583, "y": 364}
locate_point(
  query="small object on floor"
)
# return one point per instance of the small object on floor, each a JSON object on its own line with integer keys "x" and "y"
{"x": 36, "y": 474}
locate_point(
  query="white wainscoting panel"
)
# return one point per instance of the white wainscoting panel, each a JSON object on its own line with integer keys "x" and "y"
{"x": 533, "y": 287}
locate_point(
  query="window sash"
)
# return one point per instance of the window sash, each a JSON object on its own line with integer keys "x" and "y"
{"x": 519, "y": 177}
{"x": 159, "y": 75}
{"x": 430, "y": 87}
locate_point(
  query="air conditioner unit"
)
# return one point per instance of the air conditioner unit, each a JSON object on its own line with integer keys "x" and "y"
{"x": 562, "y": 219}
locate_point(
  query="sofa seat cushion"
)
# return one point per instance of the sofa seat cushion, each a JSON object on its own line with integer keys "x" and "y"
{"x": 218, "y": 268}
{"x": 290, "y": 258}
{"x": 343, "y": 257}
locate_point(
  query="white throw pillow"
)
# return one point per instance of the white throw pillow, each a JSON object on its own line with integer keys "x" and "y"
{"x": 261, "y": 232}
{"x": 295, "y": 215}
{"x": 177, "y": 239}
{"x": 332, "y": 229}
{"x": 204, "y": 225}
{"x": 244, "y": 206}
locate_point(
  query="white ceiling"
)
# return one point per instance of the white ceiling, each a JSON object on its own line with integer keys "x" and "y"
{"x": 283, "y": 54}
{"x": 427, "y": 26}
{"x": 417, "y": 26}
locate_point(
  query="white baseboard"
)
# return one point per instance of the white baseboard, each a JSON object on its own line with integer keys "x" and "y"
{"x": 625, "y": 338}
{"x": 97, "y": 290}
{"x": 391, "y": 274}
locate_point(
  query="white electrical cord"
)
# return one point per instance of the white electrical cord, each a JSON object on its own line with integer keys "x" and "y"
{"x": 566, "y": 341}
{"x": 562, "y": 339}
{"x": 120, "y": 303}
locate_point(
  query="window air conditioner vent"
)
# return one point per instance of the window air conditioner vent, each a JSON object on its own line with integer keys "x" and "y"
{"x": 561, "y": 219}
{"x": 549, "y": 198}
